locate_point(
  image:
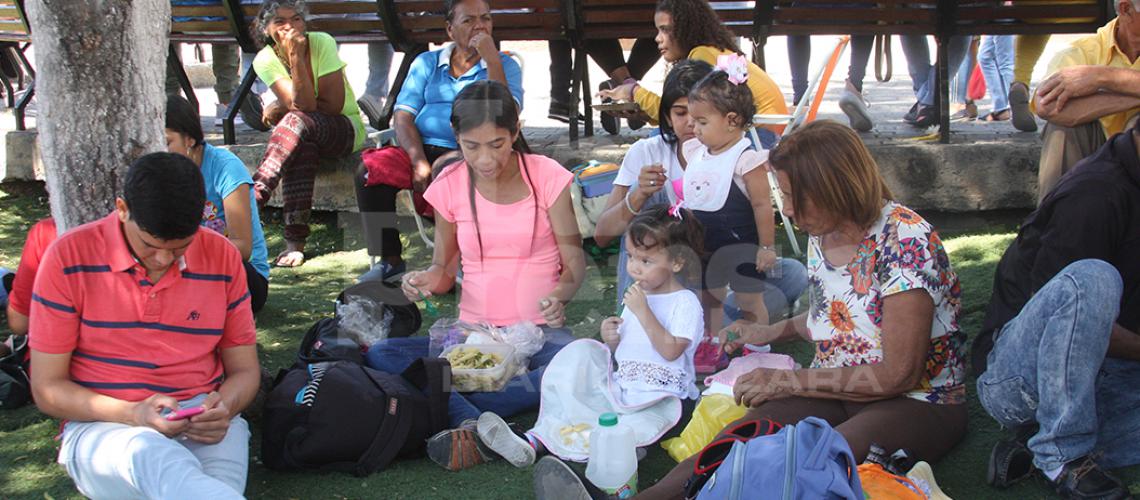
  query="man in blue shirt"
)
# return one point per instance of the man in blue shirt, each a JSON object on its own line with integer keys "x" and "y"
{"x": 423, "y": 119}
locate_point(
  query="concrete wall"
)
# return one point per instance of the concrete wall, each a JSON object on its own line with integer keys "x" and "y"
{"x": 963, "y": 177}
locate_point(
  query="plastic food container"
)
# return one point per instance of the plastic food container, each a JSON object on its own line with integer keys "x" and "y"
{"x": 483, "y": 379}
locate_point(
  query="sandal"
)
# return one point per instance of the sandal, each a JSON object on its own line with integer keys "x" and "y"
{"x": 969, "y": 112}
{"x": 998, "y": 116}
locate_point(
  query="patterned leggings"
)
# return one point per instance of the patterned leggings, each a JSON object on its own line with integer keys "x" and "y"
{"x": 298, "y": 143}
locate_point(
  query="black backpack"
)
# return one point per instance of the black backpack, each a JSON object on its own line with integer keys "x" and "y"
{"x": 15, "y": 385}
{"x": 330, "y": 412}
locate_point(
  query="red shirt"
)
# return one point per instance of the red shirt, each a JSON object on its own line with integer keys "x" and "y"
{"x": 130, "y": 338}
{"x": 39, "y": 237}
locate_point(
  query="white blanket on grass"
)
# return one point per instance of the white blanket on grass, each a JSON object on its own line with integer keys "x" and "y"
{"x": 578, "y": 386}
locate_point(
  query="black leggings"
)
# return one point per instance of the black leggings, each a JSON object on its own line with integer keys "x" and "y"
{"x": 799, "y": 56}
{"x": 258, "y": 287}
{"x": 377, "y": 206}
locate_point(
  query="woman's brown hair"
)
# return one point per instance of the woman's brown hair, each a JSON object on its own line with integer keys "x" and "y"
{"x": 828, "y": 163}
{"x": 695, "y": 23}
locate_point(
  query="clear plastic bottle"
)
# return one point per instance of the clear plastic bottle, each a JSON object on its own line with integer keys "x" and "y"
{"x": 613, "y": 458}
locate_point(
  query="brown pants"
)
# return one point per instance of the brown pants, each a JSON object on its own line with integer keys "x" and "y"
{"x": 926, "y": 430}
{"x": 1062, "y": 147}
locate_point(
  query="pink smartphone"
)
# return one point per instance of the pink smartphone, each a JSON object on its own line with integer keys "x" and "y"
{"x": 185, "y": 413}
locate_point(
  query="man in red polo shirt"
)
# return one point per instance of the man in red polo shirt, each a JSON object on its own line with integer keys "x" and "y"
{"x": 134, "y": 317}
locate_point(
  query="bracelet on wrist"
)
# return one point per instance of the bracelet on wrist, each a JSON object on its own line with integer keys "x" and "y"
{"x": 628, "y": 205}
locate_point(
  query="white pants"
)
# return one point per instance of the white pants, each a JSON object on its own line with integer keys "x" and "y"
{"x": 109, "y": 460}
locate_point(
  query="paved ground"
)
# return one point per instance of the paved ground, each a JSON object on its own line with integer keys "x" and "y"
{"x": 889, "y": 100}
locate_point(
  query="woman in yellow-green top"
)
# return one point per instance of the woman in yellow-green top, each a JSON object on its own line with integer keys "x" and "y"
{"x": 315, "y": 115}
{"x": 688, "y": 29}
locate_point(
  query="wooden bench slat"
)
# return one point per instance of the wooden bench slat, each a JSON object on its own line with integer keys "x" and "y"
{"x": 1026, "y": 29}
{"x": 1057, "y": 14}
{"x": 200, "y": 27}
{"x": 197, "y": 11}
{"x": 849, "y": 29}
{"x": 217, "y": 38}
{"x": 335, "y": 26}
{"x": 829, "y": 4}
{"x": 884, "y": 16}
{"x": 406, "y": 6}
{"x": 500, "y": 20}
{"x": 610, "y": 3}
{"x": 318, "y": 8}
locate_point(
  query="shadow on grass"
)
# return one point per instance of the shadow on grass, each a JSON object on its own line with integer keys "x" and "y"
{"x": 300, "y": 296}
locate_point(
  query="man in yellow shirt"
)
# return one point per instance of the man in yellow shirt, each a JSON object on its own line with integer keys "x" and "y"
{"x": 1092, "y": 93}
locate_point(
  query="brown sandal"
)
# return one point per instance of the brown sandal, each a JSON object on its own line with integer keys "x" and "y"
{"x": 1000, "y": 116}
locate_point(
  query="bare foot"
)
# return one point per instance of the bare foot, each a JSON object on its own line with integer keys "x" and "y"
{"x": 293, "y": 256}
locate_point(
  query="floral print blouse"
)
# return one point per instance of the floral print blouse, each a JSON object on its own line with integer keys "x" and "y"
{"x": 900, "y": 252}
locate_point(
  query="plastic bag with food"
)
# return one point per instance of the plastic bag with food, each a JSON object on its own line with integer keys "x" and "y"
{"x": 446, "y": 332}
{"x": 364, "y": 320}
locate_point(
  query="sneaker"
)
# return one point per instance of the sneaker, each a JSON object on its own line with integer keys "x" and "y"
{"x": 556, "y": 480}
{"x": 499, "y": 437}
{"x": 923, "y": 477}
{"x": 1083, "y": 478}
{"x": 855, "y": 107}
{"x": 373, "y": 109}
{"x": 383, "y": 271}
{"x": 1010, "y": 462}
{"x": 911, "y": 114}
{"x": 926, "y": 116}
{"x": 709, "y": 358}
{"x": 458, "y": 449}
{"x": 560, "y": 111}
{"x": 1023, "y": 119}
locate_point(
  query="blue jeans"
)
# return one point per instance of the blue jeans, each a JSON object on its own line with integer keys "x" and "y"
{"x": 1048, "y": 366}
{"x": 781, "y": 289}
{"x": 519, "y": 395}
{"x": 996, "y": 59}
{"x": 960, "y": 88}
{"x": 922, "y": 72}
{"x": 379, "y": 64}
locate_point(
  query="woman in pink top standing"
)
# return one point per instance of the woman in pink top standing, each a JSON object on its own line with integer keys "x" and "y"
{"x": 505, "y": 215}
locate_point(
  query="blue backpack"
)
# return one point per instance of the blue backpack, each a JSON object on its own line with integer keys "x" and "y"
{"x": 805, "y": 460}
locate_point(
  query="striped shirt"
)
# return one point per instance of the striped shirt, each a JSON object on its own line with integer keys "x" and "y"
{"x": 130, "y": 338}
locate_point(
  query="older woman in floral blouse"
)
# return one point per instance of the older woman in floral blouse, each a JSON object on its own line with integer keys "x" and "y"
{"x": 883, "y": 312}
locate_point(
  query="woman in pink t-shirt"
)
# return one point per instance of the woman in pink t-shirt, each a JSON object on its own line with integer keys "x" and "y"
{"x": 504, "y": 214}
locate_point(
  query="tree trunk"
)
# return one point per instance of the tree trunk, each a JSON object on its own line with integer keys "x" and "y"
{"x": 102, "y": 104}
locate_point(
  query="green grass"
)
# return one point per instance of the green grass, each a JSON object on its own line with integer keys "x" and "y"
{"x": 298, "y": 297}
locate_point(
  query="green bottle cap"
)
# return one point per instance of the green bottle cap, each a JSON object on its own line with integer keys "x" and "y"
{"x": 608, "y": 420}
